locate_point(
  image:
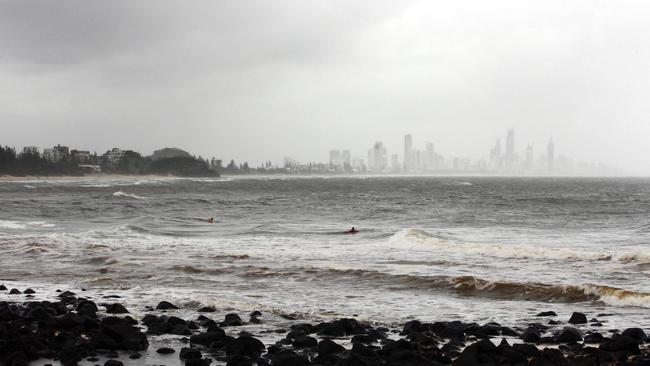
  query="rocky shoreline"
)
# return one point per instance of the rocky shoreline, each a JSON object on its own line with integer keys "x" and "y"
{"x": 71, "y": 329}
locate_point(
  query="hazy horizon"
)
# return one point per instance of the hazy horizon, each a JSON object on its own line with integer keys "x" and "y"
{"x": 256, "y": 81}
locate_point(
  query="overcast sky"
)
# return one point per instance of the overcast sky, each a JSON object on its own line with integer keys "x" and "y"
{"x": 258, "y": 80}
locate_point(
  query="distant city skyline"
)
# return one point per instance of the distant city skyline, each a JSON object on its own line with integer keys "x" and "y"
{"x": 513, "y": 159}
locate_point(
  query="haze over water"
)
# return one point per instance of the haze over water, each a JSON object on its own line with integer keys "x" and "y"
{"x": 432, "y": 248}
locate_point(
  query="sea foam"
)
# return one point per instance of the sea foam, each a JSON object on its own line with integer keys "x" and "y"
{"x": 422, "y": 240}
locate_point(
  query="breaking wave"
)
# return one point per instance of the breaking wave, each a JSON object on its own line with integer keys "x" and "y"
{"x": 8, "y": 224}
{"x": 463, "y": 285}
{"x": 129, "y": 195}
{"x": 420, "y": 239}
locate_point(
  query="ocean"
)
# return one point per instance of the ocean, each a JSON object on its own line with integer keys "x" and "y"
{"x": 475, "y": 249}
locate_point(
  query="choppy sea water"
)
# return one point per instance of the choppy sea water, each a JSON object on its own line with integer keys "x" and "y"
{"x": 432, "y": 248}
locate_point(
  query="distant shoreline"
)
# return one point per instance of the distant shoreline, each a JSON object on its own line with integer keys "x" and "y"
{"x": 31, "y": 178}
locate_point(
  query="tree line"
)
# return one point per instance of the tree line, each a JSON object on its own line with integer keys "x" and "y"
{"x": 132, "y": 163}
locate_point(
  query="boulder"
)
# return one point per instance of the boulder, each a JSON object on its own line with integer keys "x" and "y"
{"x": 207, "y": 338}
{"x": 245, "y": 346}
{"x": 569, "y": 335}
{"x": 165, "y": 305}
{"x": 116, "y": 309}
{"x": 547, "y": 313}
{"x": 578, "y": 318}
{"x": 636, "y": 333}
{"x": 124, "y": 334}
{"x": 327, "y": 346}
{"x": 189, "y": 354}
{"x": 304, "y": 342}
{"x": 231, "y": 320}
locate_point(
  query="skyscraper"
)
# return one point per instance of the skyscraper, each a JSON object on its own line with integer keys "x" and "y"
{"x": 510, "y": 150}
{"x": 335, "y": 158}
{"x": 529, "y": 158}
{"x": 550, "y": 156}
{"x": 408, "y": 156}
{"x": 379, "y": 156}
{"x": 430, "y": 156}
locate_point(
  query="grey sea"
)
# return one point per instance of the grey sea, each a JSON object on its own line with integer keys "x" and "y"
{"x": 432, "y": 248}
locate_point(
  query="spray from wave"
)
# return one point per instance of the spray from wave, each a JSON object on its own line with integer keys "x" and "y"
{"x": 419, "y": 239}
{"x": 129, "y": 195}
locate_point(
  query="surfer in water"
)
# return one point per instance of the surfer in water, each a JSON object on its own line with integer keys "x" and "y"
{"x": 211, "y": 220}
{"x": 352, "y": 231}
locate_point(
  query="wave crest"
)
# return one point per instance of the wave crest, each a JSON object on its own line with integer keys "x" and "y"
{"x": 410, "y": 238}
{"x": 129, "y": 195}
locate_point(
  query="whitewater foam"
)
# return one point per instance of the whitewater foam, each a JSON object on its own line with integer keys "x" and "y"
{"x": 8, "y": 224}
{"x": 420, "y": 239}
{"x": 126, "y": 194}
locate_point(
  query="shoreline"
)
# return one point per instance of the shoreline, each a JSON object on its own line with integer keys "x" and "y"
{"x": 108, "y": 177}
{"x": 72, "y": 326}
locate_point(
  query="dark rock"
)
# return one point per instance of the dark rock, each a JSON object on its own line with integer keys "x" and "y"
{"x": 335, "y": 330}
{"x": 148, "y": 319}
{"x": 363, "y": 338}
{"x": 116, "y": 309}
{"x": 594, "y": 338}
{"x": 304, "y": 342}
{"x": 180, "y": 329}
{"x": 197, "y": 362}
{"x": 239, "y": 360}
{"x": 255, "y": 314}
{"x": 207, "y": 309}
{"x": 135, "y": 356}
{"x": 527, "y": 350}
{"x": 205, "y": 339}
{"x": 66, "y": 294}
{"x": 547, "y": 313}
{"x": 245, "y": 346}
{"x": 165, "y": 350}
{"x": 291, "y": 360}
{"x": 482, "y": 352}
{"x": 569, "y": 335}
{"x": 69, "y": 355}
{"x": 506, "y": 331}
{"x": 636, "y": 333}
{"x": 29, "y": 291}
{"x": 327, "y": 346}
{"x": 369, "y": 353}
{"x": 113, "y": 363}
{"x": 174, "y": 320}
{"x": 306, "y": 328}
{"x": 578, "y": 318}
{"x": 3, "y": 288}
{"x": 621, "y": 343}
{"x": 190, "y": 353}
{"x": 124, "y": 334}
{"x": 548, "y": 356}
{"x": 449, "y": 330}
{"x": 14, "y": 291}
{"x": 165, "y": 305}
{"x": 231, "y": 320}
{"x": 531, "y": 335}
{"x": 86, "y": 307}
{"x": 254, "y": 320}
{"x": 159, "y": 327}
